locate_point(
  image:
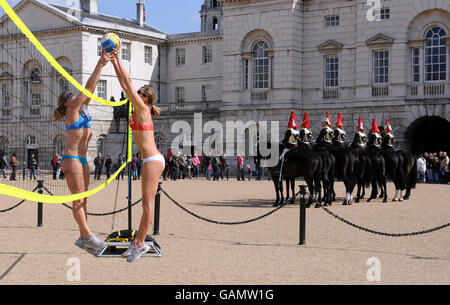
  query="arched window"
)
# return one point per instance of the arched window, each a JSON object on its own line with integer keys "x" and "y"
{"x": 59, "y": 144}
{"x": 260, "y": 66}
{"x": 435, "y": 55}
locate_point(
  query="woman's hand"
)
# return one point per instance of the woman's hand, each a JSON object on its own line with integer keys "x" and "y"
{"x": 105, "y": 58}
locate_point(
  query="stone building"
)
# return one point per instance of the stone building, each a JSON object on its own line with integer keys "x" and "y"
{"x": 256, "y": 60}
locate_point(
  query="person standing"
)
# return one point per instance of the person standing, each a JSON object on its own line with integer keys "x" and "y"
{"x": 14, "y": 165}
{"x": 74, "y": 110}
{"x": 195, "y": 165}
{"x": 32, "y": 164}
{"x": 153, "y": 163}
{"x": 134, "y": 167}
{"x": 55, "y": 166}
{"x": 98, "y": 163}
{"x": 429, "y": 162}
{"x": 421, "y": 168}
{"x": 120, "y": 162}
{"x": 108, "y": 164}
{"x": 240, "y": 167}
{"x": 444, "y": 168}
{"x": 3, "y": 165}
{"x": 223, "y": 166}
{"x": 436, "y": 170}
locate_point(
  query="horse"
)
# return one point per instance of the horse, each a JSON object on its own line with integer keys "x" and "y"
{"x": 394, "y": 165}
{"x": 358, "y": 149}
{"x": 344, "y": 164}
{"x": 400, "y": 167}
{"x": 375, "y": 167}
{"x": 322, "y": 147}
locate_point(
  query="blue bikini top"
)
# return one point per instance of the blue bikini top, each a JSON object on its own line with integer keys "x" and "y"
{"x": 85, "y": 121}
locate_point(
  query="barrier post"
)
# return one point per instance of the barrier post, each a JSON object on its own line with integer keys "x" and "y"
{"x": 40, "y": 205}
{"x": 157, "y": 210}
{"x": 302, "y": 215}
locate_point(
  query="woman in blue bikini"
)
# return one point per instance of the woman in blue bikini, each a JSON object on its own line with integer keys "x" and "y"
{"x": 73, "y": 163}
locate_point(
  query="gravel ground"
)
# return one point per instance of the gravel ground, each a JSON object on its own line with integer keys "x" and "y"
{"x": 265, "y": 252}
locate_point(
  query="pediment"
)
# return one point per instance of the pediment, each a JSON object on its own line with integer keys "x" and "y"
{"x": 330, "y": 45}
{"x": 37, "y": 17}
{"x": 380, "y": 39}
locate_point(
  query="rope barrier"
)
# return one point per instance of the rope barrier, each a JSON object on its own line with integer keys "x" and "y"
{"x": 224, "y": 222}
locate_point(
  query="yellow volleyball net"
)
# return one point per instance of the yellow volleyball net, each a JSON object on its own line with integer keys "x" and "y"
{"x": 31, "y": 145}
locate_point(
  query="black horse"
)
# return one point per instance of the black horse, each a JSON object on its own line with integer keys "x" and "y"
{"x": 375, "y": 167}
{"x": 400, "y": 167}
{"x": 322, "y": 148}
{"x": 394, "y": 166}
{"x": 296, "y": 161}
{"x": 358, "y": 149}
{"x": 344, "y": 164}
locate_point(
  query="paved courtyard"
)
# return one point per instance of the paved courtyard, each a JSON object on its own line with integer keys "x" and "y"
{"x": 261, "y": 252}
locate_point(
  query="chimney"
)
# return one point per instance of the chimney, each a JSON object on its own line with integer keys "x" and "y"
{"x": 140, "y": 18}
{"x": 90, "y": 6}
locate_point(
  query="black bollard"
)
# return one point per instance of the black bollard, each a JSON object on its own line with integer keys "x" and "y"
{"x": 157, "y": 210}
{"x": 302, "y": 215}
{"x": 40, "y": 205}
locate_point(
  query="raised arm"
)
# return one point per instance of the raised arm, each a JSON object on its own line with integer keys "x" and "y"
{"x": 93, "y": 80}
{"x": 126, "y": 83}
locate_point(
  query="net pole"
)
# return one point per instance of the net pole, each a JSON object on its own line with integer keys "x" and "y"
{"x": 129, "y": 156}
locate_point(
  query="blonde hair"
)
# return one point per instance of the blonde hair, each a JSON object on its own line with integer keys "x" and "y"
{"x": 148, "y": 91}
{"x": 60, "y": 112}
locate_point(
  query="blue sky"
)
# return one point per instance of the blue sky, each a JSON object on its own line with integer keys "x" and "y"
{"x": 171, "y": 16}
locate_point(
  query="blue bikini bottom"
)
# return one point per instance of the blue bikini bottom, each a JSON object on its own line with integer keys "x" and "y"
{"x": 83, "y": 161}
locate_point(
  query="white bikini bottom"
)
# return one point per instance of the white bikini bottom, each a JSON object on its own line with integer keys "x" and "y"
{"x": 155, "y": 158}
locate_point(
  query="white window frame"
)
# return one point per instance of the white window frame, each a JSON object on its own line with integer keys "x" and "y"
{"x": 256, "y": 80}
{"x": 148, "y": 55}
{"x": 207, "y": 54}
{"x": 102, "y": 87}
{"x": 179, "y": 95}
{"x": 99, "y": 46}
{"x": 332, "y": 21}
{"x": 383, "y": 14}
{"x": 331, "y": 68}
{"x": 425, "y": 56}
{"x": 415, "y": 65}
{"x": 126, "y": 51}
{"x": 377, "y": 68}
{"x": 180, "y": 57}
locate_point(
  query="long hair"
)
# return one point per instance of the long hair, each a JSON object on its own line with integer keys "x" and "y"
{"x": 60, "y": 112}
{"x": 148, "y": 91}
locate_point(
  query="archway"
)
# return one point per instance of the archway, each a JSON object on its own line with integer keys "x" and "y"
{"x": 429, "y": 134}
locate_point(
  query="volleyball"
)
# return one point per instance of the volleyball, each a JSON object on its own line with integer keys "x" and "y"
{"x": 110, "y": 41}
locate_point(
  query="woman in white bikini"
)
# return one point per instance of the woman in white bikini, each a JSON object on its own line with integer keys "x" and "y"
{"x": 73, "y": 163}
{"x": 153, "y": 162}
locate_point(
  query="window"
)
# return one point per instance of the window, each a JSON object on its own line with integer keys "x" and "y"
{"x": 383, "y": 14}
{"x": 101, "y": 89}
{"x": 180, "y": 57}
{"x": 35, "y": 94}
{"x": 331, "y": 21}
{"x": 380, "y": 67}
{"x": 206, "y": 93}
{"x": 179, "y": 94}
{"x": 99, "y": 47}
{"x": 126, "y": 51}
{"x": 207, "y": 54}
{"x": 6, "y": 98}
{"x": 148, "y": 55}
{"x": 415, "y": 65}
{"x": 332, "y": 71}
{"x": 435, "y": 55}
{"x": 64, "y": 85}
{"x": 260, "y": 68}
{"x": 246, "y": 74}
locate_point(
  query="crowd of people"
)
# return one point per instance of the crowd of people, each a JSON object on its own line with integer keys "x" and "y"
{"x": 212, "y": 167}
{"x": 433, "y": 168}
